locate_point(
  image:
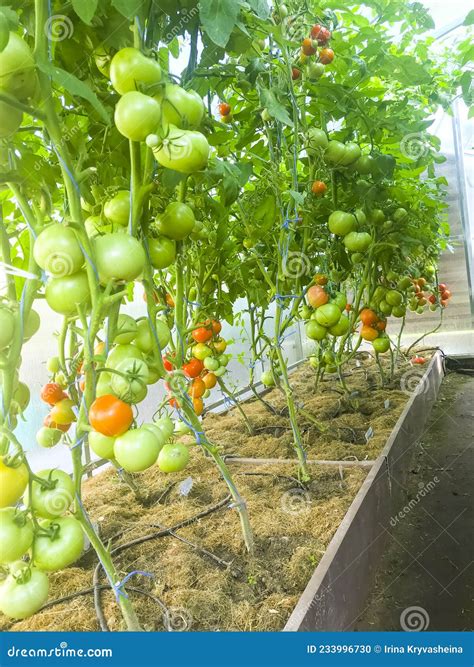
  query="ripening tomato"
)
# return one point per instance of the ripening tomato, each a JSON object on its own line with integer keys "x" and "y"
{"x": 324, "y": 35}
{"x": 418, "y": 360}
{"x": 216, "y": 327}
{"x": 320, "y": 279}
{"x": 169, "y": 301}
{"x": 167, "y": 364}
{"x": 368, "y": 333}
{"x": 62, "y": 412}
{"x": 326, "y": 56}
{"x": 442, "y": 287}
{"x": 446, "y": 295}
{"x": 319, "y": 188}
{"x": 202, "y": 335}
{"x": 295, "y": 73}
{"x": 368, "y": 317}
{"x": 432, "y": 298}
{"x": 48, "y": 422}
{"x": 381, "y": 325}
{"x": 315, "y": 30}
{"x": 110, "y": 416}
{"x": 52, "y": 393}
{"x": 198, "y": 406}
{"x": 193, "y": 368}
{"x": 220, "y": 346}
{"x": 317, "y": 296}
{"x": 224, "y": 109}
{"x": 307, "y": 47}
{"x": 13, "y": 481}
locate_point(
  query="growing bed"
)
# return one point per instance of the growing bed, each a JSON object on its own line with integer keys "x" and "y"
{"x": 202, "y": 577}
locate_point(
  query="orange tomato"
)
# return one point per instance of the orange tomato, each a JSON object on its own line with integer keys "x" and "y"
{"x": 99, "y": 349}
{"x": 317, "y": 296}
{"x": 49, "y": 423}
{"x": 193, "y": 368}
{"x": 202, "y": 335}
{"x": 307, "y": 47}
{"x": 110, "y": 416}
{"x": 320, "y": 279}
{"x": 319, "y": 188}
{"x": 216, "y": 327}
{"x": 326, "y": 56}
{"x": 198, "y": 388}
{"x": 169, "y": 301}
{"x": 198, "y": 406}
{"x": 368, "y": 333}
{"x": 224, "y": 109}
{"x": 210, "y": 380}
{"x": 368, "y": 317}
{"x": 381, "y": 325}
{"x": 52, "y": 393}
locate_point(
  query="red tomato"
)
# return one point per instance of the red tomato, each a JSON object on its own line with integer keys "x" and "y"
{"x": 418, "y": 360}
{"x": 442, "y": 287}
{"x": 432, "y": 298}
{"x": 110, "y": 416}
{"x": 381, "y": 325}
{"x": 324, "y": 35}
{"x": 52, "y": 393}
{"x": 315, "y": 30}
{"x": 319, "y": 188}
{"x": 216, "y": 327}
{"x": 446, "y": 295}
{"x": 202, "y": 335}
{"x": 326, "y": 56}
{"x": 295, "y": 73}
{"x": 444, "y": 303}
{"x": 224, "y": 109}
{"x": 167, "y": 364}
{"x": 193, "y": 368}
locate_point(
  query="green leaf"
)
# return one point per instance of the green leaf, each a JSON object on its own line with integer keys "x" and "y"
{"x": 128, "y": 8}
{"x": 85, "y": 9}
{"x": 469, "y": 20}
{"x": 74, "y": 86}
{"x": 218, "y": 18}
{"x": 260, "y": 7}
{"x": 275, "y": 109}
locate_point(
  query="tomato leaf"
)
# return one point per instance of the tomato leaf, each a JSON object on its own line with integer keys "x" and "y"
{"x": 260, "y": 7}
{"x": 128, "y": 8}
{"x": 85, "y": 9}
{"x": 274, "y": 107}
{"x": 74, "y": 86}
{"x": 469, "y": 20}
{"x": 218, "y": 18}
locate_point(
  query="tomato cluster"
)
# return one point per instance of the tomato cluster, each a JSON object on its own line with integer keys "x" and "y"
{"x": 318, "y": 38}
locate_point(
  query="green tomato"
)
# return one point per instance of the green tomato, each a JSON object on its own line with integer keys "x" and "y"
{"x": 137, "y": 115}
{"x": 137, "y": 449}
{"x": 173, "y": 458}
{"x": 404, "y": 283}
{"x": 220, "y": 371}
{"x": 181, "y": 150}
{"x": 305, "y": 312}
{"x": 17, "y": 69}
{"x": 177, "y": 221}
{"x": 365, "y": 164}
{"x": 267, "y": 379}
{"x": 130, "y": 70}
{"x": 7, "y": 327}
{"x": 23, "y": 592}
{"x": 316, "y": 331}
{"x": 357, "y": 241}
{"x": 48, "y": 437}
{"x": 50, "y": 503}
{"x": 341, "y": 327}
{"x": 162, "y": 252}
{"x": 379, "y": 293}
{"x": 180, "y": 428}
{"x": 53, "y": 365}
{"x": 211, "y": 363}
{"x": 223, "y": 359}
{"x": 400, "y": 215}
{"x": 104, "y": 387}
{"x": 95, "y": 226}
{"x": 399, "y": 311}
{"x": 392, "y": 276}
{"x": 145, "y": 339}
{"x": 331, "y": 368}
{"x": 317, "y": 140}
{"x": 157, "y": 432}
{"x": 340, "y": 299}
{"x": 165, "y": 424}
{"x": 130, "y": 386}
{"x": 328, "y": 315}
{"x": 352, "y": 153}
{"x": 121, "y": 352}
{"x": 117, "y": 209}
{"x": 357, "y": 258}
{"x": 180, "y": 107}
{"x": 16, "y": 534}
{"x": 102, "y": 445}
{"x": 57, "y": 251}
{"x": 381, "y": 345}
{"x": 341, "y": 223}
{"x": 62, "y": 548}
{"x": 393, "y": 297}
{"x": 63, "y": 295}
{"x": 315, "y": 71}
{"x": 119, "y": 257}
{"x": 376, "y": 216}
{"x": 335, "y": 152}
{"x": 360, "y": 216}
{"x": 126, "y": 329}
{"x": 385, "y": 307}
{"x": 10, "y": 119}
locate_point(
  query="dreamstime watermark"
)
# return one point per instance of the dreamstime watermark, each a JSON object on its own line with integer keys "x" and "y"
{"x": 61, "y": 651}
{"x": 187, "y": 15}
{"x": 414, "y": 381}
{"x": 66, "y": 136}
{"x": 424, "y": 490}
{"x": 414, "y": 145}
{"x": 178, "y": 619}
{"x": 58, "y": 28}
{"x": 295, "y": 501}
{"x": 414, "y": 619}
{"x": 296, "y": 265}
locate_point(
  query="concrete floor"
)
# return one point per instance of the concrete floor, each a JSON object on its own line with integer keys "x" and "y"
{"x": 428, "y": 563}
